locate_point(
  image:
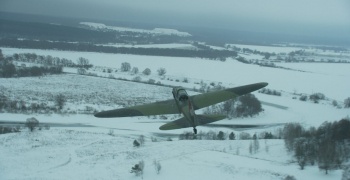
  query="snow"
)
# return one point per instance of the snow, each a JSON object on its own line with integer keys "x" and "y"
{"x": 82, "y": 149}
{"x": 164, "y": 31}
{"x": 77, "y": 154}
{"x": 270, "y": 49}
{"x": 230, "y": 73}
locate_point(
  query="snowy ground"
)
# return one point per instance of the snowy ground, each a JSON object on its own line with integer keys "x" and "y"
{"x": 88, "y": 152}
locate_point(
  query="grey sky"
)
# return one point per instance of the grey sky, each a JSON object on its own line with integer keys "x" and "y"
{"x": 316, "y": 17}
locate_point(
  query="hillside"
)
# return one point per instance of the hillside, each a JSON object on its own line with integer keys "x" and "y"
{"x": 80, "y": 146}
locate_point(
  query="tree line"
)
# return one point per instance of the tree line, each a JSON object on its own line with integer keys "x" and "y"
{"x": 50, "y": 65}
{"x": 327, "y": 145}
{"x": 88, "y": 47}
{"x": 53, "y": 32}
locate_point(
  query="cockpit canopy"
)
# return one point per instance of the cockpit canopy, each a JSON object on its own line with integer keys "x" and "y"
{"x": 180, "y": 94}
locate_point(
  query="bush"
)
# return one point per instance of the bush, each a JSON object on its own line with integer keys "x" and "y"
{"x": 137, "y": 79}
{"x": 138, "y": 168}
{"x": 316, "y": 97}
{"x": 289, "y": 177}
{"x": 147, "y": 71}
{"x": 136, "y": 143}
{"x": 32, "y": 124}
{"x": 244, "y": 136}
{"x": 151, "y": 81}
{"x": 81, "y": 71}
{"x": 303, "y": 98}
{"x": 249, "y": 106}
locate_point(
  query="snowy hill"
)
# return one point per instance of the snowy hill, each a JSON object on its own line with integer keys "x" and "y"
{"x": 162, "y": 31}
{"x": 80, "y": 146}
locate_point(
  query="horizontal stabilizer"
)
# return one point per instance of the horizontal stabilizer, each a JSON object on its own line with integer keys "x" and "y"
{"x": 177, "y": 124}
{"x": 183, "y": 122}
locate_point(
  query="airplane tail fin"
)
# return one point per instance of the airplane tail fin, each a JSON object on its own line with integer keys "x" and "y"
{"x": 206, "y": 119}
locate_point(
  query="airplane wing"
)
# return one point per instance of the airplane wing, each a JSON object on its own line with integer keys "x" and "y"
{"x": 183, "y": 122}
{"x": 157, "y": 108}
{"x": 207, "y": 99}
{"x": 170, "y": 107}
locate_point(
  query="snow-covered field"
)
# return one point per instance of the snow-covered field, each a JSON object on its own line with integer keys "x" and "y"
{"x": 77, "y": 152}
{"x": 270, "y": 49}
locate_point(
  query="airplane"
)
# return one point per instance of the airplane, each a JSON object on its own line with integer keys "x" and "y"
{"x": 184, "y": 104}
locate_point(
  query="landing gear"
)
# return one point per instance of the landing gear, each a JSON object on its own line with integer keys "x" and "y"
{"x": 194, "y": 130}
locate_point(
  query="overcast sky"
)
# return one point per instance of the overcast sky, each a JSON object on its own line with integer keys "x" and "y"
{"x": 317, "y": 17}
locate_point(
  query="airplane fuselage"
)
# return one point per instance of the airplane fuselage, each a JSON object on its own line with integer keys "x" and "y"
{"x": 185, "y": 106}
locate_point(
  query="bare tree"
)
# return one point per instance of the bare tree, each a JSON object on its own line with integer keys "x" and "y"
{"x": 135, "y": 70}
{"x": 347, "y": 103}
{"x": 125, "y": 67}
{"x": 161, "y": 71}
{"x": 60, "y": 100}
{"x": 290, "y": 132}
{"x": 142, "y": 140}
{"x": 157, "y": 166}
{"x": 251, "y": 148}
{"x": 300, "y": 151}
{"x": 256, "y": 145}
{"x": 327, "y": 155}
{"x": 83, "y": 62}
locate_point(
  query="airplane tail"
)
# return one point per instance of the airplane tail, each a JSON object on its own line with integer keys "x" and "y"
{"x": 206, "y": 119}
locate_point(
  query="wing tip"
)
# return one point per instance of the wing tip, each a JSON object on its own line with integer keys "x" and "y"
{"x": 264, "y": 84}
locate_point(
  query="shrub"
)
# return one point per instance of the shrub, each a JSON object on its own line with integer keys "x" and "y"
{"x": 138, "y": 168}
{"x": 32, "y": 123}
{"x": 244, "y": 136}
{"x": 303, "y": 98}
{"x": 147, "y": 71}
{"x": 136, "y": 143}
{"x": 137, "y": 79}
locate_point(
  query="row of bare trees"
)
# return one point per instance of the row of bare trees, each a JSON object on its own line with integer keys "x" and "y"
{"x": 328, "y": 145}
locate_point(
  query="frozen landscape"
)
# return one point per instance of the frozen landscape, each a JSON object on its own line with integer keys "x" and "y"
{"x": 80, "y": 146}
